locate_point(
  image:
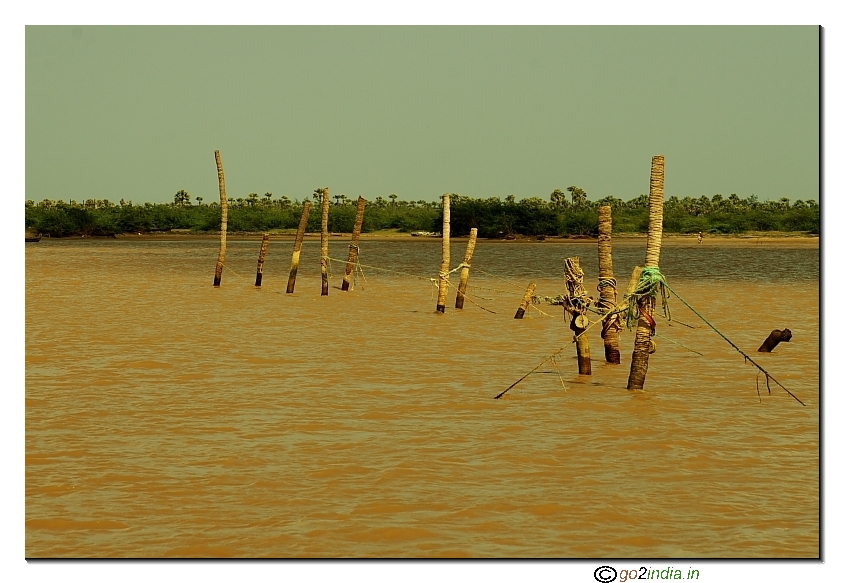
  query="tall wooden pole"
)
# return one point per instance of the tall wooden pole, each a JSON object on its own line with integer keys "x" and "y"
{"x": 526, "y": 300}
{"x": 579, "y": 322}
{"x": 607, "y": 286}
{"x": 464, "y": 273}
{"x": 644, "y": 329}
{"x": 444, "y": 268}
{"x": 265, "y": 241}
{"x": 353, "y": 247}
{"x": 297, "y": 246}
{"x": 224, "y": 221}
{"x": 323, "y": 242}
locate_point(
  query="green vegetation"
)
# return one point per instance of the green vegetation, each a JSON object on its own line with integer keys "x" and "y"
{"x": 563, "y": 214}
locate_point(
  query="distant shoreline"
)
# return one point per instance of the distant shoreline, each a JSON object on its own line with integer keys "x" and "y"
{"x": 757, "y": 238}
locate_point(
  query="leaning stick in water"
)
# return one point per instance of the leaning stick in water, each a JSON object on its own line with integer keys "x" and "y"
{"x": 645, "y": 327}
{"x": 224, "y": 205}
{"x": 607, "y": 286}
{"x": 323, "y": 242}
{"x": 526, "y": 301}
{"x": 297, "y": 246}
{"x": 353, "y": 247}
{"x": 464, "y": 273}
{"x": 774, "y": 338}
{"x": 444, "y": 267}
{"x": 265, "y": 241}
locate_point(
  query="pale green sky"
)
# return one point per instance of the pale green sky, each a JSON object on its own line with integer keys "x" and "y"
{"x": 137, "y": 112}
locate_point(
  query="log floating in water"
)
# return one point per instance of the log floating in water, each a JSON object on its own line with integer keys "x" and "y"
{"x": 297, "y": 246}
{"x": 774, "y": 338}
{"x": 526, "y": 300}
{"x": 464, "y": 273}
{"x": 224, "y": 206}
{"x": 353, "y": 247}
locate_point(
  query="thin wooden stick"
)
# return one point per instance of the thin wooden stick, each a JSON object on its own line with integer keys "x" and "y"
{"x": 224, "y": 221}
{"x": 353, "y": 247}
{"x": 464, "y": 273}
{"x": 323, "y": 242}
{"x": 265, "y": 241}
{"x": 297, "y": 246}
{"x": 444, "y": 268}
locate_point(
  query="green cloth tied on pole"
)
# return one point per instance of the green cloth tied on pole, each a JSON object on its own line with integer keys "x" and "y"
{"x": 651, "y": 283}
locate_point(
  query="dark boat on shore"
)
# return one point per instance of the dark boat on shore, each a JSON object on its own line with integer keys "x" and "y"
{"x": 33, "y": 239}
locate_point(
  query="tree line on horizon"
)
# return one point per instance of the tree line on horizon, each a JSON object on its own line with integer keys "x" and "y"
{"x": 565, "y": 213}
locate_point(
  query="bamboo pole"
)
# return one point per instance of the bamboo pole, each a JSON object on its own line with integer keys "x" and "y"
{"x": 297, "y": 246}
{"x": 265, "y": 242}
{"x": 323, "y": 242}
{"x": 224, "y": 221}
{"x": 526, "y": 300}
{"x": 353, "y": 247}
{"x": 464, "y": 273}
{"x": 645, "y": 327}
{"x": 444, "y": 268}
{"x": 607, "y": 286}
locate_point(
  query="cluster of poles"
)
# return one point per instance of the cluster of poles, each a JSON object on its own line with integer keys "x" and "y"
{"x": 575, "y": 302}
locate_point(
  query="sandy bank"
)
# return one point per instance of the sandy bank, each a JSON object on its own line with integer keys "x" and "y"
{"x": 751, "y": 239}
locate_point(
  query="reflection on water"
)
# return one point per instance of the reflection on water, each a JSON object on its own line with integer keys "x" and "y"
{"x": 168, "y": 418}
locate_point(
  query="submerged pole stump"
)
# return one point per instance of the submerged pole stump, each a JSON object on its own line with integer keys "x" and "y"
{"x": 527, "y": 299}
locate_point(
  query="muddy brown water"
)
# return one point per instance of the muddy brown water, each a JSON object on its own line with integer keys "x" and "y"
{"x": 166, "y": 418}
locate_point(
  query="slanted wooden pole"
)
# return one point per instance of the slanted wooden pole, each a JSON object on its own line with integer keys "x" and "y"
{"x": 265, "y": 242}
{"x": 445, "y": 266}
{"x": 323, "y": 242}
{"x": 774, "y": 338}
{"x": 464, "y": 273}
{"x": 646, "y": 325}
{"x": 526, "y": 300}
{"x": 224, "y": 221}
{"x": 607, "y": 286}
{"x": 353, "y": 247}
{"x": 297, "y": 246}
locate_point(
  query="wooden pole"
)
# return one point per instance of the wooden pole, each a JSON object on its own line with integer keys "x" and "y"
{"x": 526, "y": 300}
{"x": 646, "y": 325}
{"x": 464, "y": 273}
{"x": 607, "y": 286}
{"x": 444, "y": 268}
{"x": 297, "y": 246}
{"x": 579, "y": 322}
{"x": 774, "y": 338}
{"x": 353, "y": 247}
{"x": 265, "y": 242}
{"x": 323, "y": 242}
{"x": 224, "y": 221}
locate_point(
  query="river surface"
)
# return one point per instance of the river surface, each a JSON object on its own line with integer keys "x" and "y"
{"x": 167, "y": 418}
